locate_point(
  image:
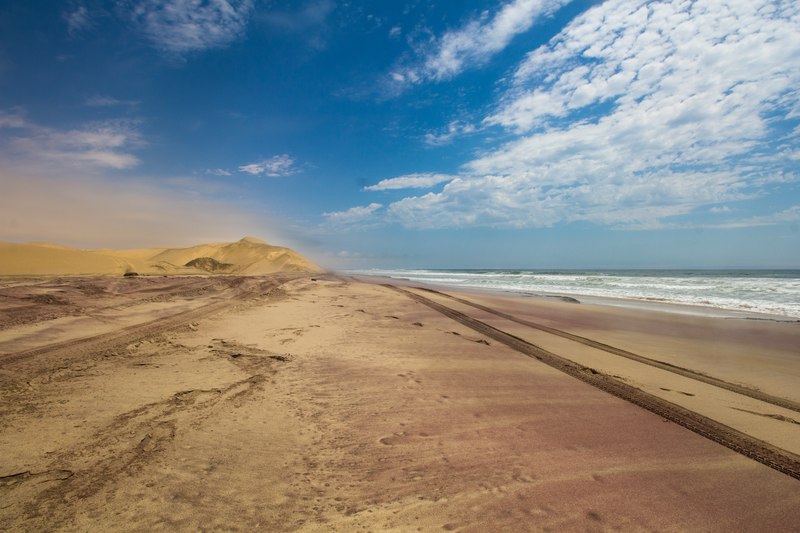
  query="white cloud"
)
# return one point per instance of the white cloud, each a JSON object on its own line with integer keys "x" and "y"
{"x": 95, "y": 145}
{"x": 453, "y": 130}
{"x": 182, "y": 26}
{"x": 279, "y": 165}
{"x": 718, "y": 210}
{"x": 78, "y": 20}
{"x": 423, "y": 180}
{"x": 638, "y": 112}
{"x": 478, "y": 40}
{"x": 655, "y": 50}
{"x": 353, "y": 216}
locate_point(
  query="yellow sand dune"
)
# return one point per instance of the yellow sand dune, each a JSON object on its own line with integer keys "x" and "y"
{"x": 249, "y": 256}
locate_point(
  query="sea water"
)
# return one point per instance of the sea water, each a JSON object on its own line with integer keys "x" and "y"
{"x": 775, "y": 292}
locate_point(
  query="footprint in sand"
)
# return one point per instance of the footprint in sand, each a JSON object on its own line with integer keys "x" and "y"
{"x": 411, "y": 379}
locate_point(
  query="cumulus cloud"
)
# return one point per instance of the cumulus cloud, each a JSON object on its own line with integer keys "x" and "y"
{"x": 279, "y": 165}
{"x": 636, "y": 114}
{"x": 423, "y": 180}
{"x": 476, "y": 42}
{"x": 182, "y": 26}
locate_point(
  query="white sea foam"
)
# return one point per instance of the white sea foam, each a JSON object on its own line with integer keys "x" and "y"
{"x": 774, "y": 292}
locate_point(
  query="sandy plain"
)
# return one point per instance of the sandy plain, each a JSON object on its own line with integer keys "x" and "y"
{"x": 321, "y": 403}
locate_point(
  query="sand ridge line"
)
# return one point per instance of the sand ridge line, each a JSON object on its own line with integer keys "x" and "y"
{"x": 685, "y": 372}
{"x": 758, "y": 450}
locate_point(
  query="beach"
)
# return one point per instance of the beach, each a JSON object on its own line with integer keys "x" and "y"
{"x": 325, "y": 402}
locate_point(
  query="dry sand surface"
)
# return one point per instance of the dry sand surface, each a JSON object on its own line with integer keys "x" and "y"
{"x": 292, "y": 403}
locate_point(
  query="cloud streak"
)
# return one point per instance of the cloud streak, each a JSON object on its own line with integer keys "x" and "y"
{"x": 100, "y": 100}
{"x": 475, "y": 43}
{"x": 355, "y": 216}
{"x": 422, "y": 180}
{"x": 92, "y": 146}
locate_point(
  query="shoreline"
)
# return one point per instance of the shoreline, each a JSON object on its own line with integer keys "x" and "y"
{"x": 657, "y": 305}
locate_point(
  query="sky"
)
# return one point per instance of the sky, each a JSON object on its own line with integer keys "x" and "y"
{"x": 408, "y": 134}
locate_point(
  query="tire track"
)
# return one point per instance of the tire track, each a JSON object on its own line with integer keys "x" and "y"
{"x": 69, "y": 350}
{"x": 765, "y": 453}
{"x": 685, "y": 372}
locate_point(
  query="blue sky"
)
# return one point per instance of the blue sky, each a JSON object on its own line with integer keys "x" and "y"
{"x": 515, "y": 133}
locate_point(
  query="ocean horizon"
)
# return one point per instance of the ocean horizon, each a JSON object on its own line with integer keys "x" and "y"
{"x": 761, "y": 291}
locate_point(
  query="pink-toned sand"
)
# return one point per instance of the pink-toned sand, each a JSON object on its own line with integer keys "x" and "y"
{"x": 331, "y": 405}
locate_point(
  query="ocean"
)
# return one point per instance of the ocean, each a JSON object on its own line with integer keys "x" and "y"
{"x": 774, "y": 292}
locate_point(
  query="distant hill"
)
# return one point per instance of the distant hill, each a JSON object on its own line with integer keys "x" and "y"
{"x": 249, "y": 256}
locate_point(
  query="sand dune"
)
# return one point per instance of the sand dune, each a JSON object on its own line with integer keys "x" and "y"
{"x": 249, "y": 256}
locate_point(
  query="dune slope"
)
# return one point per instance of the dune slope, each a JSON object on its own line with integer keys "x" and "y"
{"x": 249, "y": 256}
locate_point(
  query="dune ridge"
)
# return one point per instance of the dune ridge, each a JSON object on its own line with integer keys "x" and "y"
{"x": 248, "y": 256}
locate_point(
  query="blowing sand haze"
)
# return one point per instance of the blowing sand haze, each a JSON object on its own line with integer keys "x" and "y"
{"x": 249, "y": 256}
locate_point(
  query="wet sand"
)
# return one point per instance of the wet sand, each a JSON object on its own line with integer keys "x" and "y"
{"x": 323, "y": 404}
